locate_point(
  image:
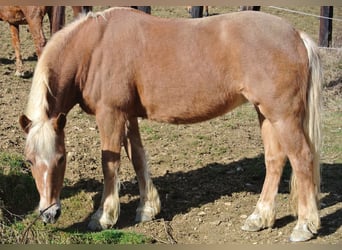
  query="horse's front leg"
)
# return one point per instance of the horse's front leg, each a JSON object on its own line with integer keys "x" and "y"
{"x": 149, "y": 205}
{"x": 112, "y": 127}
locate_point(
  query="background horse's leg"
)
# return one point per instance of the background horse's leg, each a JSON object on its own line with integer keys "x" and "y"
{"x": 264, "y": 213}
{"x": 56, "y": 16}
{"x": 112, "y": 127}
{"x": 149, "y": 199}
{"x": 206, "y": 10}
{"x": 34, "y": 18}
{"x": 39, "y": 40}
{"x": 81, "y": 10}
{"x": 14, "y": 28}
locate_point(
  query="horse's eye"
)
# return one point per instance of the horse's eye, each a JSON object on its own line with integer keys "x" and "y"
{"x": 29, "y": 163}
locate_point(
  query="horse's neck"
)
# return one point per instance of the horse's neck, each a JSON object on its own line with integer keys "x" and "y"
{"x": 63, "y": 101}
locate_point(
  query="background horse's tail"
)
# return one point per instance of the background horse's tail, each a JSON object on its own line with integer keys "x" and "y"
{"x": 313, "y": 114}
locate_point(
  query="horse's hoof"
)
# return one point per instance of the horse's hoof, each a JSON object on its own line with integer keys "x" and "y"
{"x": 145, "y": 213}
{"x": 253, "y": 224}
{"x": 100, "y": 222}
{"x": 19, "y": 73}
{"x": 94, "y": 225}
{"x": 23, "y": 74}
{"x": 143, "y": 217}
{"x": 301, "y": 233}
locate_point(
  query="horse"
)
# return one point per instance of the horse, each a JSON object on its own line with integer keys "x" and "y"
{"x": 33, "y": 16}
{"x": 130, "y": 68}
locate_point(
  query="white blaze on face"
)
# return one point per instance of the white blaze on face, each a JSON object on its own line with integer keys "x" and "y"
{"x": 45, "y": 175}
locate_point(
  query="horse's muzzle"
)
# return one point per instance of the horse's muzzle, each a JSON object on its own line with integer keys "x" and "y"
{"x": 51, "y": 214}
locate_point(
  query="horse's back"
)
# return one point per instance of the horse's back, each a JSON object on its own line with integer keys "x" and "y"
{"x": 204, "y": 68}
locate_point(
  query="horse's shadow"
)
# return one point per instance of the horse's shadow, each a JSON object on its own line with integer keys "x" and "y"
{"x": 7, "y": 61}
{"x": 18, "y": 195}
{"x": 26, "y": 74}
{"x": 181, "y": 191}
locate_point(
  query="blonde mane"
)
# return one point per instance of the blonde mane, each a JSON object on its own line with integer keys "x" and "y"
{"x": 42, "y": 136}
{"x": 38, "y": 106}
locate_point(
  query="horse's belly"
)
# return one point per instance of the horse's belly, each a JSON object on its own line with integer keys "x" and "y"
{"x": 191, "y": 110}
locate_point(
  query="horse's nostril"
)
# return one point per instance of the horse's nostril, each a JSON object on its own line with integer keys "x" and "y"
{"x": 51, "y": 215}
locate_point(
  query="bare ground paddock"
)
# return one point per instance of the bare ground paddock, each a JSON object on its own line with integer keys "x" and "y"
{"x": 209, "y": 175}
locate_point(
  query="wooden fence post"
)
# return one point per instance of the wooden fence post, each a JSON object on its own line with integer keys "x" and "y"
{"x": 325, "y": 26}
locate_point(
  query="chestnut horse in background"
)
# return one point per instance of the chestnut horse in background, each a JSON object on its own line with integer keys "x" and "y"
{"x": 33, "y": 16}
{"x": 130, "y": 67}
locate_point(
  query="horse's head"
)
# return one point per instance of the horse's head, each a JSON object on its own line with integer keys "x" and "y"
{"x": 45, "y": 153}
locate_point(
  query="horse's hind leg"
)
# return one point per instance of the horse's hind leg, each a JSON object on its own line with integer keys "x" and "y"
{"x": 16, "y": 45}
{"x": 290, "y": 133}
{"x": 305, "y": 190}
{"x": 111, "y": 127}
{"x": 149, "y": 199}
{"x": 36, "y": 29}
{"x": 264, "y": 213}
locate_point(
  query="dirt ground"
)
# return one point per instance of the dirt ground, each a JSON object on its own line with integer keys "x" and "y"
{"x": 209, "y": 175}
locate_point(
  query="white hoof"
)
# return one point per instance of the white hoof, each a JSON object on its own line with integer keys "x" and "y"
{"x": 19, "y": 73}
{"x": 100, "y": 221}
{"x": 301, "y": 233}
{"x": 145, "y": 213}
{"x": 253, "y": 223}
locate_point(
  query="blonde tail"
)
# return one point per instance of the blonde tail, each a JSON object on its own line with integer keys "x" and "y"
{"x": 313, "y": 114}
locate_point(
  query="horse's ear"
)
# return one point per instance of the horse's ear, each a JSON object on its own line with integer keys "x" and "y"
{"x": 25, "y": 123}
{"x": 60, "y": 122}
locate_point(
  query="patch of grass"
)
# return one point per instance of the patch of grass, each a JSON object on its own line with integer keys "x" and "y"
{"x": 150, "y": 130}
{"x": 11, "y": 163}
{"x": 332, "y": 134}
{"x": 23, "y": 232}
{"x": 109, "y": 237}
{"x": 18, "y": 193}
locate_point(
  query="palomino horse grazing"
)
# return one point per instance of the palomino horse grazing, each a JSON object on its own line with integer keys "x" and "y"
{"x": 33, "y": 16}
{"x": 130, "y": 67}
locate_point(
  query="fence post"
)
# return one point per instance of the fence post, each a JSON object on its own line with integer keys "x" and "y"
{"x": 196, "y": 11}
{"x": 325, "y": 26}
